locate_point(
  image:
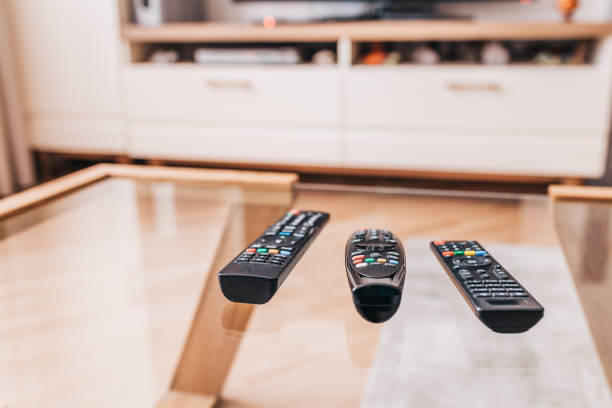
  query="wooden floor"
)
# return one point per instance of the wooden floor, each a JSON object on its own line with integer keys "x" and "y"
{"x": 105, "y": 327}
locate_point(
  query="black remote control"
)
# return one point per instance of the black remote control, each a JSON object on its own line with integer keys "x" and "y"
{"x": 255, "y": 275}
{"x": 376, "y": 267}
{"x": 494, "y": 296}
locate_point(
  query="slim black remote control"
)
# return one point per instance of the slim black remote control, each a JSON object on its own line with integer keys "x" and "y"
{"x": 376, "y": 267}
{"x": 494, "y": 296}
{"x": 255, "y": 275}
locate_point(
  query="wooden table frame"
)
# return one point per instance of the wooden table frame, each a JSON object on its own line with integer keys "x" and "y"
{"x": 218, "y": 325}
{"x": 593, "y": 291}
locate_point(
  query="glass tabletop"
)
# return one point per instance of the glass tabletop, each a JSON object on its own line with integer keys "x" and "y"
{"x": 98, "y": 290}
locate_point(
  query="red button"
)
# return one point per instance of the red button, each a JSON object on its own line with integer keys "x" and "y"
{"x": 250, "y": 250}
{"x": 358, "y": 257}
{"x": 439, "y": 242}
{"x": 294, "y": 212}
{"x": 448, "y": 253}
{"x": 357, "y": 261}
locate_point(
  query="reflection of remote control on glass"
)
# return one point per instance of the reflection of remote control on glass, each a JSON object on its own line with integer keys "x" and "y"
{"x": 375, "y": 266}
{"x": 494, "y": 296}
{"x": 255, "y": 275}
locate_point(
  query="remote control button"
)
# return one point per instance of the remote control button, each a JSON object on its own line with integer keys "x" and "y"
{"x": 458, "y": 253}
{"x": 273, "y": 251}
{"x": 393, "y": 257}
{"x": 358, "y": 257}
{"x": 448, "y": 253}
{"x": 262, "y": 250}
{"x": 393, "y": 253}
{"x": 465, "y": 274}
{"x": 356, "y": 253}
{"x": 481, "y": 253}
{"x": 439, "y": 242}
{"x": 473, "y": 261}
{"x": 284, "y": 252}
{"x": 484, "y": 276}
{"x": 381, "y": 272}
{"x": 284, "y": 233}
{"x": 369, "y": 260}
{"x": 519, "y": 294}
{"x": 250, "y": 250}
{"x": 393, "y": 262}
{"x": 361, "y": 265}
{"x": 381, "y": 260}
{"x": 469, "y": 253}
{"x": 357, "y": 261}
{"x": 278, "y": 241}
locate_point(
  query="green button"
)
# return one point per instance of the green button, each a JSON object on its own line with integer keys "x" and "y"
{"x": 266, "y": 250}
{"x": 369, "y": 260}
{"x": 458, "y": 252}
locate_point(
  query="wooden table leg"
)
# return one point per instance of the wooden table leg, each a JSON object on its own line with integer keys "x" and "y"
{"x": 218, "y": 325}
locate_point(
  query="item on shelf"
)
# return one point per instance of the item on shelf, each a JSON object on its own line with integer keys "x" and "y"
{"x": 425, "y": 55}
{"x": 283, "y": 55}
{"x": 155, "y": 12}
{"x": 494, "y": 53}
{"x": 547, "y": 58}
{"x": 376, "y": 56}
{"x": 164, "y": 56}
{"x": 324, "y": 57}
{"x": 580, "y": 54}
{"x": 393, "y": 58}
{"x": 567, "y": 8}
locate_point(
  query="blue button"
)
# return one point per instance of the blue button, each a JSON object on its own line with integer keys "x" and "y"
{"x": 393, "y": 261}
{"x": 284, "y": 233}
{"x": 481, "y": 253}
{"x": 285, "y": 252}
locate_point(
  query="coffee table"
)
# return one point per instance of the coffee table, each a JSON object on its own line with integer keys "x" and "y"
{"x": 109, "y": 297}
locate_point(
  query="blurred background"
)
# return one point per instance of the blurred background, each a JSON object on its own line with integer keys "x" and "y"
{"x": 505, "y": 93}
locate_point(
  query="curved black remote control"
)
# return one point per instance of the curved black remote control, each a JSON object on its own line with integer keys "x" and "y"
{"x": 255, "y": 275}
{"x": 376, "y": 267}
{"x": 494, "y": 296}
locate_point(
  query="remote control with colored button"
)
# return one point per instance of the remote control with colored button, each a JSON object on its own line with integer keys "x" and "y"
{"x": 376, "y": 267}
{"x": 255, "y": 275}
{"x": 494, "y": 296}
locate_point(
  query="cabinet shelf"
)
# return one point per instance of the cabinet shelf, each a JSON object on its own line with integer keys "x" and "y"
{"x": 362, "y": 31}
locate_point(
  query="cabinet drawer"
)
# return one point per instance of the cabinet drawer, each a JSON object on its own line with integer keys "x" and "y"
{"x": 505, "y": 99}
{"x": 274, "y": 95}
{"x": 235, "y": 144}
{"x": 479, "y": 153}
{"x": 104, "y": 136}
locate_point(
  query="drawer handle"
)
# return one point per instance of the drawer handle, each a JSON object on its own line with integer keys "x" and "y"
{"x": 229, "y": 84}
{"x": 473, "y": 86}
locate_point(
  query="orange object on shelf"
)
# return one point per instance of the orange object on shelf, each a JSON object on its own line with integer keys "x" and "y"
{"x": 567, "y": 8}
{"x": 376, "y": 56}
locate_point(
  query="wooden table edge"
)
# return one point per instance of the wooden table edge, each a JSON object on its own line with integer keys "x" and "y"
{"x": 587, "y": 193}
{"x": 252, "y": 180}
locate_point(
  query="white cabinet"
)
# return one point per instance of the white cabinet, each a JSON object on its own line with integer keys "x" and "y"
{"x": 275, "y": 115}
{"x": 537, "y": 99}
{"x": 524, "y": 154}
{"x": 284, "y": 145}
{"x": 69, "y": 55}
{"x": 307, "y": 95}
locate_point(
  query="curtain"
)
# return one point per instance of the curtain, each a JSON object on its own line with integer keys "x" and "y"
{"x": 16, "y": 168}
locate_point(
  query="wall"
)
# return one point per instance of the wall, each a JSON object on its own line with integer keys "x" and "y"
{"x": 540, "y": 10}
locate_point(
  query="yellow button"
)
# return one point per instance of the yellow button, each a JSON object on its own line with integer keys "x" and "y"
{"x": 273, "y": 251}
{"x": 469, "y": 253}
{"x": 381, "y": 260}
